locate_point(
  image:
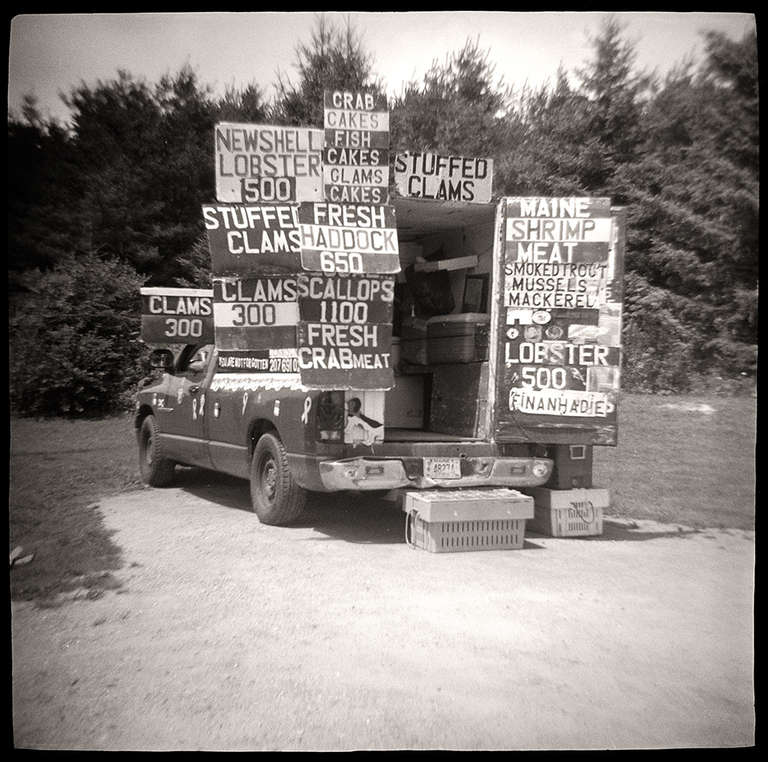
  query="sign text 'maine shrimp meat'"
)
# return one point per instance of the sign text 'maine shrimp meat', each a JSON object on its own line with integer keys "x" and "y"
{"x": 559, "y": 328}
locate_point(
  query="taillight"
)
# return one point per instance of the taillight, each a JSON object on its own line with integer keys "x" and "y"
{"x": 329, "y": 421}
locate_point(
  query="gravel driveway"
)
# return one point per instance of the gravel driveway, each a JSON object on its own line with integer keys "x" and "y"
{"x": 228, "y": 634}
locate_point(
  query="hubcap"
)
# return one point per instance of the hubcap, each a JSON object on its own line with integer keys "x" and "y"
{"x": 269, "y": 479}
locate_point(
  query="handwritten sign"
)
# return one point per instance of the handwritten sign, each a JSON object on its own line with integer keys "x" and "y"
{"x": 345, "y": 332}
{"x": 255, "y": 312}
{"x": 245, "y": 239}
{"x": 264, "y": 163}
{"x": 348, "y": 238}
{"x": 448, "y": 178}
{"x": 356, "y": 154}
{"x": 559, "y": 318}
{"x": 176, "y": 316}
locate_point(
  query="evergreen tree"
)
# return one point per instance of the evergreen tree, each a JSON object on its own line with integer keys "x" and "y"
{"x": 334, "y": 59}
{"x": 457, "y": 109}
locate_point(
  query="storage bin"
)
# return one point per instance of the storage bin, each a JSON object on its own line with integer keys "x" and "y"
{"x": 455, "y": 536}
{"x": 458, "y": 338}
{"x": 413, "y": 341}
{"x": 447, "y": 521}
{"x": 572, "y": 466}
{"x": 459, "y": 401}
{"x": 404, "y": 403}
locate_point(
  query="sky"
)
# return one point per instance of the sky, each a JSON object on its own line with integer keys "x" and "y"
{"x": 51, "y": 53}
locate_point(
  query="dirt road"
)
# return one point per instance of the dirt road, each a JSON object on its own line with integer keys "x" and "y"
{"x": 227, "y": 634}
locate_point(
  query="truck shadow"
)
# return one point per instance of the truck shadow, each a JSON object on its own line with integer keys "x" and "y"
{"x": 619, "y": 531}
{"x": 366, "y": 518}
{"x": 349, "y": 517}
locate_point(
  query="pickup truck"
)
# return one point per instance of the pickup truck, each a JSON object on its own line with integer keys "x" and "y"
{"x": 523, "y": 363}
{"x": 289, "y": 440}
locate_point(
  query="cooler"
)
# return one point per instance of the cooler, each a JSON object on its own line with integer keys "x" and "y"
{"x": 458, "y": 338}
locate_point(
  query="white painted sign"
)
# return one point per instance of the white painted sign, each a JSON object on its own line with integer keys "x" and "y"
{"x": 265, "y": 163}
{"x": 448, "y": 178}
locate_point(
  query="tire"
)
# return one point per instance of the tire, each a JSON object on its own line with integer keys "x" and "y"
{"x": 275, "y": 497}
{"x": 156, "y": 470}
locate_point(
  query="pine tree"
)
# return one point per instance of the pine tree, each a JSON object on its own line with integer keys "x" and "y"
{"x": 334, "y": 59}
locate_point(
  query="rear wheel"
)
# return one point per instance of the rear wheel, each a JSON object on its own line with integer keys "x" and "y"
{"x": 156, "y": 470}
{"x": 275, "y": 496}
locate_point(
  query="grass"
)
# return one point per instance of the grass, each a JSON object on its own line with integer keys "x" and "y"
{"x": 672, "y": 464}
{"x": 677, "y": 464}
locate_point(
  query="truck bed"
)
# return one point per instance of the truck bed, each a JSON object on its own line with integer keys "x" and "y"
{"x": 420, "y": 435}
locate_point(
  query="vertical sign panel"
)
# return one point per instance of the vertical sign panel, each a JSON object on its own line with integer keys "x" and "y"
{"x": 356, "y": 154}
{"x": 348, "y": 238}
{"x": 264, "y": 163}
{"x": 345, "y": 331}
{"x": 559, "y": 328}
{"x": 448, "y": 178}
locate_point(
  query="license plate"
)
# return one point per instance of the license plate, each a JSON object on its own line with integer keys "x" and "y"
{"x": 442, "y": 468}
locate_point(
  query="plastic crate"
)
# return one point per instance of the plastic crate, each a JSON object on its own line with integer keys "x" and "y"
{"x": 456, "y": 536}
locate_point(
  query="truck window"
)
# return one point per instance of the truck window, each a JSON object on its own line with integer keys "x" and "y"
{"x": 193, "y": 360}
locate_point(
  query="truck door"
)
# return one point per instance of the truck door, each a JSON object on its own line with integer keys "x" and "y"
{"x": 182, "y": 416}
{"x": 225, "y": 426}
{"x": 557, "y": 293}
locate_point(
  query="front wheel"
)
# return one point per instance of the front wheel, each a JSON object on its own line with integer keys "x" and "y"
{"x": 275, "y": 496}
{"x": 156, "y": 470}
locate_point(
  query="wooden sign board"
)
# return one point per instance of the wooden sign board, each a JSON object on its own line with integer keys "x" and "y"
{"x": 176, "y": 316}
{"x": 448, "y": 178}
{"x": 265, "y": 163}
{"x": 559, "y": 320}
{"x": 356, "y": 154}
{"x": 345, "y": 331}
{"x": 252, "y": 239}
{"x": 349, "y": 238}
{"x": 255, "y": 312}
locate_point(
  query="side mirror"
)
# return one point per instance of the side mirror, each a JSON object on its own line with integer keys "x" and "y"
{"x": 162, "y": 359}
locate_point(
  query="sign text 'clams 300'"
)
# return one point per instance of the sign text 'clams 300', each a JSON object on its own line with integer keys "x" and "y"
{"x": 559, "y": 325}
{"x": 176, "y": 316}
{"x": 255, "y": 312}
{"x": 264, "y": 163}
{"x": 347, "y": 238}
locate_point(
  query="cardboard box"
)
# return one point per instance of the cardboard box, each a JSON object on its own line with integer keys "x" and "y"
{"x": 568, "y": 513}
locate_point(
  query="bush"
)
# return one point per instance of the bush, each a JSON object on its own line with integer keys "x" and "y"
{"x": 75, "y": 347}
{"x": 658, "y": 351}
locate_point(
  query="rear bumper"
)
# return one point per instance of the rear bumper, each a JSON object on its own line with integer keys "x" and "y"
{"x": 370, "y": 473}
